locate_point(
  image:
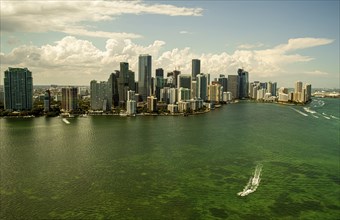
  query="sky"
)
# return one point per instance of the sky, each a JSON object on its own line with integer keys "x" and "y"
{"x": 74, "y": 42}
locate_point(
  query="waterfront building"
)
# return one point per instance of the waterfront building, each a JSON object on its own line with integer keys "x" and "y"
{"x": 243, "y": 83}
{"x": 165, "y": 95}
{"x": 260, "y": 93}
{"x": 131, "y": 107}
{"x": 47, "y": 101}
{"x": 283, "y": 97}
{"x": 131, "y": 104}
{"x": 233, "y": 85}
{"x": 173, "y": 108}
{"x": 2, "y": 96}
{"x": 131, "y": 95}
{"x": 193, "y": 90}
{"x": 126, "y": 81}
{"x": 159, "y": 82}
{"x": 152, "y": 104}
{"x": 283, "y": 94}
{"x": 144, "y": 76}
{"x": 195, "y": 68}
{"x": 112, "y": 92}
{"x": 183, "y": 106}
{"x": 196, "y": 104}
{"x": 308, "y": 89}
{"x": 98, "y": 91}
{"x": 298, "y": 91}
{"x": 183, "y": 94}
{"x": 214, "y": 93}
{"x": 201, "y": 86}
{"x": 69, "y": 100}
{"x": 173, "y": 95}
{"x": 274, "y": 88}
{"x": 223, "y": 81}
{"x": 18, "y": 83}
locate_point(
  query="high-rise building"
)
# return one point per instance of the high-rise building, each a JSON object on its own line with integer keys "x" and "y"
{"x": 214, "y": 93}
{"x": 99, "y": 95}
{"x": 184, "y": 81}
{"x": 308, "y": 88}
{"x": 18, "y": 83}
{"x": 112, "y": 91}
{"x": 183, "y": 94}
{"x": 131, "y": 105}
{"x": 243, "y": 83}
{"x": 159, "y": 82}
{"x": 69, "y": 100}
{"x": 173, "y": 95}
{"x": 298, "y": 91}
{"x": 233, "y": 85}
{"x": 195, "y": 68}
{"x": 152, "y": 104}
{"x": 193, "y": 94}
{"x": 223, "y": 82}
{"x": 144, "y": 76}
{"x": 201, "y": 86}
{"x": 173, "y": 78}
{"x": 47, "y": 100}
{"x": 123, "y": 84}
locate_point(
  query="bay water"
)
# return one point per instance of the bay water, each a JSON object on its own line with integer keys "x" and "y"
{"x": 175, "y": 167}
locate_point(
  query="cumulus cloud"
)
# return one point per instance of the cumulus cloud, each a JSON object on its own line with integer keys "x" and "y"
{"x": 68, "y": 16}
{"x": 78, "y": 61}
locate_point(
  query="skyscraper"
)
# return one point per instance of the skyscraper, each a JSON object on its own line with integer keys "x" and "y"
{"x": 233, "y": 85}
{"x": 298, "y": 91}
{"x": 243, "y": 83}
{"x": 18, "y": 83}
{"x": 144, "y": 76}
{"x": 47, "y": 100}
{"x": 112, "y": 92}
{"x": 184, "y": 81}
{"x": 69, "y": 100}
{"x": 195, "y": 68}
{"x": 223, "y": 82}
{"x": 201, "y": 86}
{"x": 123, "y": 82}
{"x": 99, "y": 95}
{"x": 159, "y": 82}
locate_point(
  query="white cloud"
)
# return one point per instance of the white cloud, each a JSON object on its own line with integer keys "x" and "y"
{"x": 185, "y": 32}
{"x": 250, "y": 46}
{"x": 316, "y": 73}
{"x": 69, "y": 16}
{"x": 76, "y": 61}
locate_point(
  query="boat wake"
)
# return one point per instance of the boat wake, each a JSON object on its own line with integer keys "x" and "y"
{"x": 307, "y": 109}
{"x": 300, "y": 112}
{"x": 253, "y": 182}
{"x": 65, "y": 121}
{"x": 317, "y": 103}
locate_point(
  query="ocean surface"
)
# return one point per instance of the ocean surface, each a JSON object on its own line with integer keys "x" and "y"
{"x": 241, "y": 161}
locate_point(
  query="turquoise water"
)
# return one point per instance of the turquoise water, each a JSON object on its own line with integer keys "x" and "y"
{"x": 106, "y": 167}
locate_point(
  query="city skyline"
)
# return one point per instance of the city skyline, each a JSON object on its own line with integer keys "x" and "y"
{"x": 77, "y": 42}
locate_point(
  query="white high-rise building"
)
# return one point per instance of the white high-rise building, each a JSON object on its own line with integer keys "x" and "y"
{"x": 173, "y": 96}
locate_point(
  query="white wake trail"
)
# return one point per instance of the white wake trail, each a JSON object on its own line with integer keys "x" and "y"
{"x": 302, "y": 113}
{"x": 253, "y": 182}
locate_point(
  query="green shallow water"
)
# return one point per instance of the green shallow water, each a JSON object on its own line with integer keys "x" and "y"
{"x": 174, "y": 167}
